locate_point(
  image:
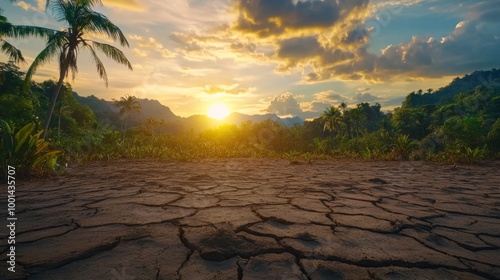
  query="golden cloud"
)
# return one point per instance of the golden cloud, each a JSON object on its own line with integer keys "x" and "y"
{"x": 124, "y": 4}
{"x": 225, "y": 89}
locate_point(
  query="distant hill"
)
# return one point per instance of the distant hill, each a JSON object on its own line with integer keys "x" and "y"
{"x": 150, "y": 108}
{"x": 445, "y": 94}
{"x": 197, "y": 123}
{"x": 107, "y": 113}
{"x": 238, "y": 118}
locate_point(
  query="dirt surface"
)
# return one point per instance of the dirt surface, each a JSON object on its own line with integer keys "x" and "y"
{"x": 258, "y": 219}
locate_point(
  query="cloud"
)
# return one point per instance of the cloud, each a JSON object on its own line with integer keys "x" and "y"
{"x": 320, "y": 39}
{"x": 329, "y": 40}
{"x": 330, "y": 96}
{"x": 234, "y": 89}
{"x": 315, "y": 108}
{"x": 361, "y": 97}
{"x": 40, "y": 6}
{"x": 393, "y": 5}
{"x": 283, "y": 105}
{"x": 471, "y": 46}
{"x": 124, "y": 4}
{"x": 140, "y": 53}
{"x": 265, "y": 18}
{"x": 147, "y": 44}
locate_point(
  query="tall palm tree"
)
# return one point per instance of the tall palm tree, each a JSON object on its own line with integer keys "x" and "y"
{"x": 7, "y": 29}
{"x": 346, "y": 118}
{"x": 128, "y": 105}
{"x": 358, "y": 122}
{"x": 333, "y": 120}
{"x": 66, "y": 44}
{"x": 62, "y": 108}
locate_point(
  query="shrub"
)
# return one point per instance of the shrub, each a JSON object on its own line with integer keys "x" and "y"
{"x": 403, "y": 147}
{"x": 25, "y": 151}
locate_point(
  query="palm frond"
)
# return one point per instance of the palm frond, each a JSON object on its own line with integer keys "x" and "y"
{"x": 21, "y": 31}
{"x": 5, "y": 28}
{"x": 89, "y": 3}
{"x": 54, "y": 44}
{"x": 11, "y": 51}
{"x": 99, "y": 23}
{"x": 99, "y": 65}
{"x": 59, "y": 9}
{"x": 113, "y": 53}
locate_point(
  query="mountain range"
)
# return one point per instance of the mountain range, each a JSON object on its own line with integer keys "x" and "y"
{"x": 106, "y": 112}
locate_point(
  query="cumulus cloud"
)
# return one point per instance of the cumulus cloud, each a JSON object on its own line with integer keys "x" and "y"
{"x": 329, "y": 40}
{"x": 287, "y": 105}
{"x": 283, "y": 105}
{"x": 471, "y": 46}
{"x": 321, "y": 39}
{"x": 274, "y": 18}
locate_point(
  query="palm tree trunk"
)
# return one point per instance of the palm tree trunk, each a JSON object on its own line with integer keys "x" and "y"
{"x": 59, "y": 126}
{"x": 124, "y": 128}
{"x": 52, "y": 104}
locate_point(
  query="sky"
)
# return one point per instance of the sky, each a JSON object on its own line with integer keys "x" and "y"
{"x": 286, "y": 57}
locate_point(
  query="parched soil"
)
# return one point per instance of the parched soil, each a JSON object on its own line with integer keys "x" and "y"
{"x": 258, "y": 219}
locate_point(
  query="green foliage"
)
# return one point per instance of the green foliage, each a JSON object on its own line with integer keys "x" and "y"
{"x": 25, "y": 151}
{"x": 411, "y": 121}
{"x": 494, "y": 137}
{"x": 292, "y": 157}
{"x": 402, "y": 147}
{"x": 465, "y": 129}
{"x": 472, "y": 156}
{"x": 17, "y": 108}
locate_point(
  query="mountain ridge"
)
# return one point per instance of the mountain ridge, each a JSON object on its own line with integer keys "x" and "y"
{"x": 106, "y": 112}
{"x": 466, "y": 83}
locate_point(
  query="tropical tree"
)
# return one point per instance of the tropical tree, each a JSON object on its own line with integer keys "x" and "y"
{"x": 333, "y": 119}
{"x": 128, "y": 105}
{"x": 62, "y": 108}
{"x": 18, "y": 31}
{"x": 81, "y": 21}
{"x": 358, "y": 121}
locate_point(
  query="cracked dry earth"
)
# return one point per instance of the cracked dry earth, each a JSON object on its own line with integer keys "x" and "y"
{"x": 259, "y": 219}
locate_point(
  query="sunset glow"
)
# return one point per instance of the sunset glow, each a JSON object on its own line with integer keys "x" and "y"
{"x": 289, "y": 58}
{"x": 218, "y": 111}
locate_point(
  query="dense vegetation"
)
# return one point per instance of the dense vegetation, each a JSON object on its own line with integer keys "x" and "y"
{"x": 464, "y": 127}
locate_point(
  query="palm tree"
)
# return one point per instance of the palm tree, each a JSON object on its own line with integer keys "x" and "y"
{"x": 358, "y": 122}
{"x": 18, "y": 31}
{"x": 128, "y": 105}
{"x": 333, "y": 119}
{"x": 66, "y": 44}
{"x": 346, "y": 118}
{"x": 62, "y": 109}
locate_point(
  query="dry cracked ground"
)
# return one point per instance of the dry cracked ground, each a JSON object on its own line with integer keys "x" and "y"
{"x": 259, "y": 219}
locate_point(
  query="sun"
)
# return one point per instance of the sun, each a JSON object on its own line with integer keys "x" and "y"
{"x": 218, "y": 111}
